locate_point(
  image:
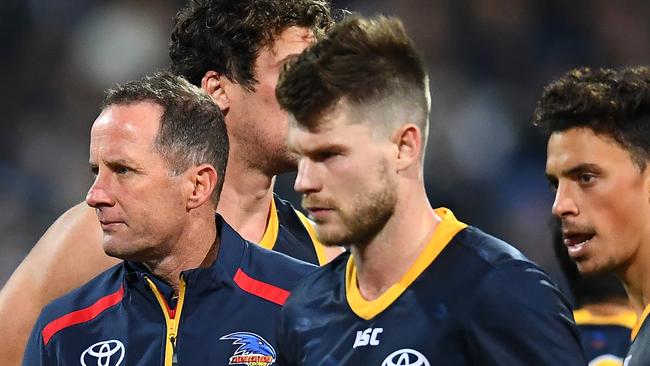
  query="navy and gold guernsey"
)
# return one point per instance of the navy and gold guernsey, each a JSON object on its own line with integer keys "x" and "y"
{"x": 639, "y": 354}
{"x": 288, "y": 231}
{"x": 605, "y": 339}
{"x": 469, "y": 299}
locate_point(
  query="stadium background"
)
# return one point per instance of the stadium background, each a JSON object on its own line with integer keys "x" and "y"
{"x": 488, "y": 61}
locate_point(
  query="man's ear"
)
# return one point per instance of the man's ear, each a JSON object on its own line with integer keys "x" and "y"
{"x": 646, "y": 177}
{"x": 204, "y": 181}
{"x": 408, "y": 139}
{"x": 215, "y": 84}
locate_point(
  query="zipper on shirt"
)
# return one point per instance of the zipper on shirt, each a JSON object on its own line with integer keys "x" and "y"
{"x": 172, "y": 322}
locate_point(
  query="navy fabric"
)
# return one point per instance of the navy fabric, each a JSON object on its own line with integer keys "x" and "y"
{"x": 293, "y": 238}
{"x": 480, "y": 302}
{"x": 214, "y": 307}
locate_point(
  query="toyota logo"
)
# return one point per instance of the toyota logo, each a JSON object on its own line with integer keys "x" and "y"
{"x": 104, "y": 353}
{"x": 405, "y": 357}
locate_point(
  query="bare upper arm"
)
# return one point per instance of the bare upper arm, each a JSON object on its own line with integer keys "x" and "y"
{"x": 67, "y": 255}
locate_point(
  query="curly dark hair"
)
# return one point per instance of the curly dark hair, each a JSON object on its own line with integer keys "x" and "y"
{"x": 614, "y": 103}
{"x": 227, "y": 35}
{"x": 363, "y": 60}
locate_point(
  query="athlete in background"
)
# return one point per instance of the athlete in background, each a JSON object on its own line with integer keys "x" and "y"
{"x": 598, "y": 152}
{"x": 234, "y": 50}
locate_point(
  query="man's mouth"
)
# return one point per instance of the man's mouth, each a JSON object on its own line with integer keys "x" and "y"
{"x": 577, "y": 242}
{"x": 317, "y": 213}
{"x": 110, "y": 224}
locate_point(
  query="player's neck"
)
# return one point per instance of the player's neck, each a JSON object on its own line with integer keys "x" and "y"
{"x": 245, "y": 200}
{"x": 384, "y": 260}
{"x": 196, "y": 247}
{"x": 634, "y": 278}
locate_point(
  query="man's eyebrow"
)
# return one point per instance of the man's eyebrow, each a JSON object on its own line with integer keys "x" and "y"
{"x": 114, "y": 163}
{"x": 580, "y": 168}
{"x": 574, "y": 170}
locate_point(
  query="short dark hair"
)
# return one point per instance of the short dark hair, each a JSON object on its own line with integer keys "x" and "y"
{"x": 192, "y": 130}
{"x": 227, "y": 35}
{"x": 363, "y": 61}
{"x": 585, "y": 290}
{"x": 614, "y": 103}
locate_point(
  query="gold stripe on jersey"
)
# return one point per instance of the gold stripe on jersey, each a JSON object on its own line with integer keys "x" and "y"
{"x": 625, "y": 319}
{"x": 272, "y": 228}
{"x": 639, "y": 322}
{"x": 447, "y": 228}
{"x": 318, "y": 246}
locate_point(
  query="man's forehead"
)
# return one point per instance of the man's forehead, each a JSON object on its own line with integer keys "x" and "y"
{"x": 329, "y": 129}
{"x": 563, "y": 147}
{"x": 579, "y": 146}
{"x": 138, "y": 119}
{"x": 291, "y": 41}
{"x": 580, "y": 140}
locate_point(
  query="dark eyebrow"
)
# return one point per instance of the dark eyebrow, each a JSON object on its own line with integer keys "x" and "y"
{"x": 580, "y": 169}
{"x": 326, "y": 146}
{"x": 114, "y": 164}
{"x": 571, "y": 172}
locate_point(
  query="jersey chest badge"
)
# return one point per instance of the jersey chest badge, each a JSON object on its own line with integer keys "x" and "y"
{"x": 406, "y": 357}
{"x": 367, "y": 337}
{"x": 104, "y": 353}
{"x": 253, "y": 350}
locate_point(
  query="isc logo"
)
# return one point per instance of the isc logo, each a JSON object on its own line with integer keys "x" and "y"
{"x": 367, "y": 337}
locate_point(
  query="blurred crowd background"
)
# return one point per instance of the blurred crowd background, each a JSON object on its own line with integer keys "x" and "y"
{"x": 488, "y": 61}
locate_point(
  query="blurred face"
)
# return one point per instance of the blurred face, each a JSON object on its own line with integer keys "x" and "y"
{"x": 346, "y": 177}
{"x": 139, "y": 205}
{"x": 601, "y": 197}
{"x": 255, "y": 121}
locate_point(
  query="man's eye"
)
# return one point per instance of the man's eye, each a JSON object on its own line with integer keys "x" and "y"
{"x": 586, "y": 178}
{"x": 122, "y": 170}
{"x": 325, "y": 155}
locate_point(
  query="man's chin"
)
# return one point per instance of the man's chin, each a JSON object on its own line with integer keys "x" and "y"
{"x": 329, "y": 238}
{"x": 117, "y": 249}
{"x": 588, "y": 268}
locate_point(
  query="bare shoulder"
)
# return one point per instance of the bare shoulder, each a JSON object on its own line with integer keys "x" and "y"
{"x": 67, "y": 255}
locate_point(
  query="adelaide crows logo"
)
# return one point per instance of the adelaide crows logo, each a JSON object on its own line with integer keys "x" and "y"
{"x": 253, "y": 350}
